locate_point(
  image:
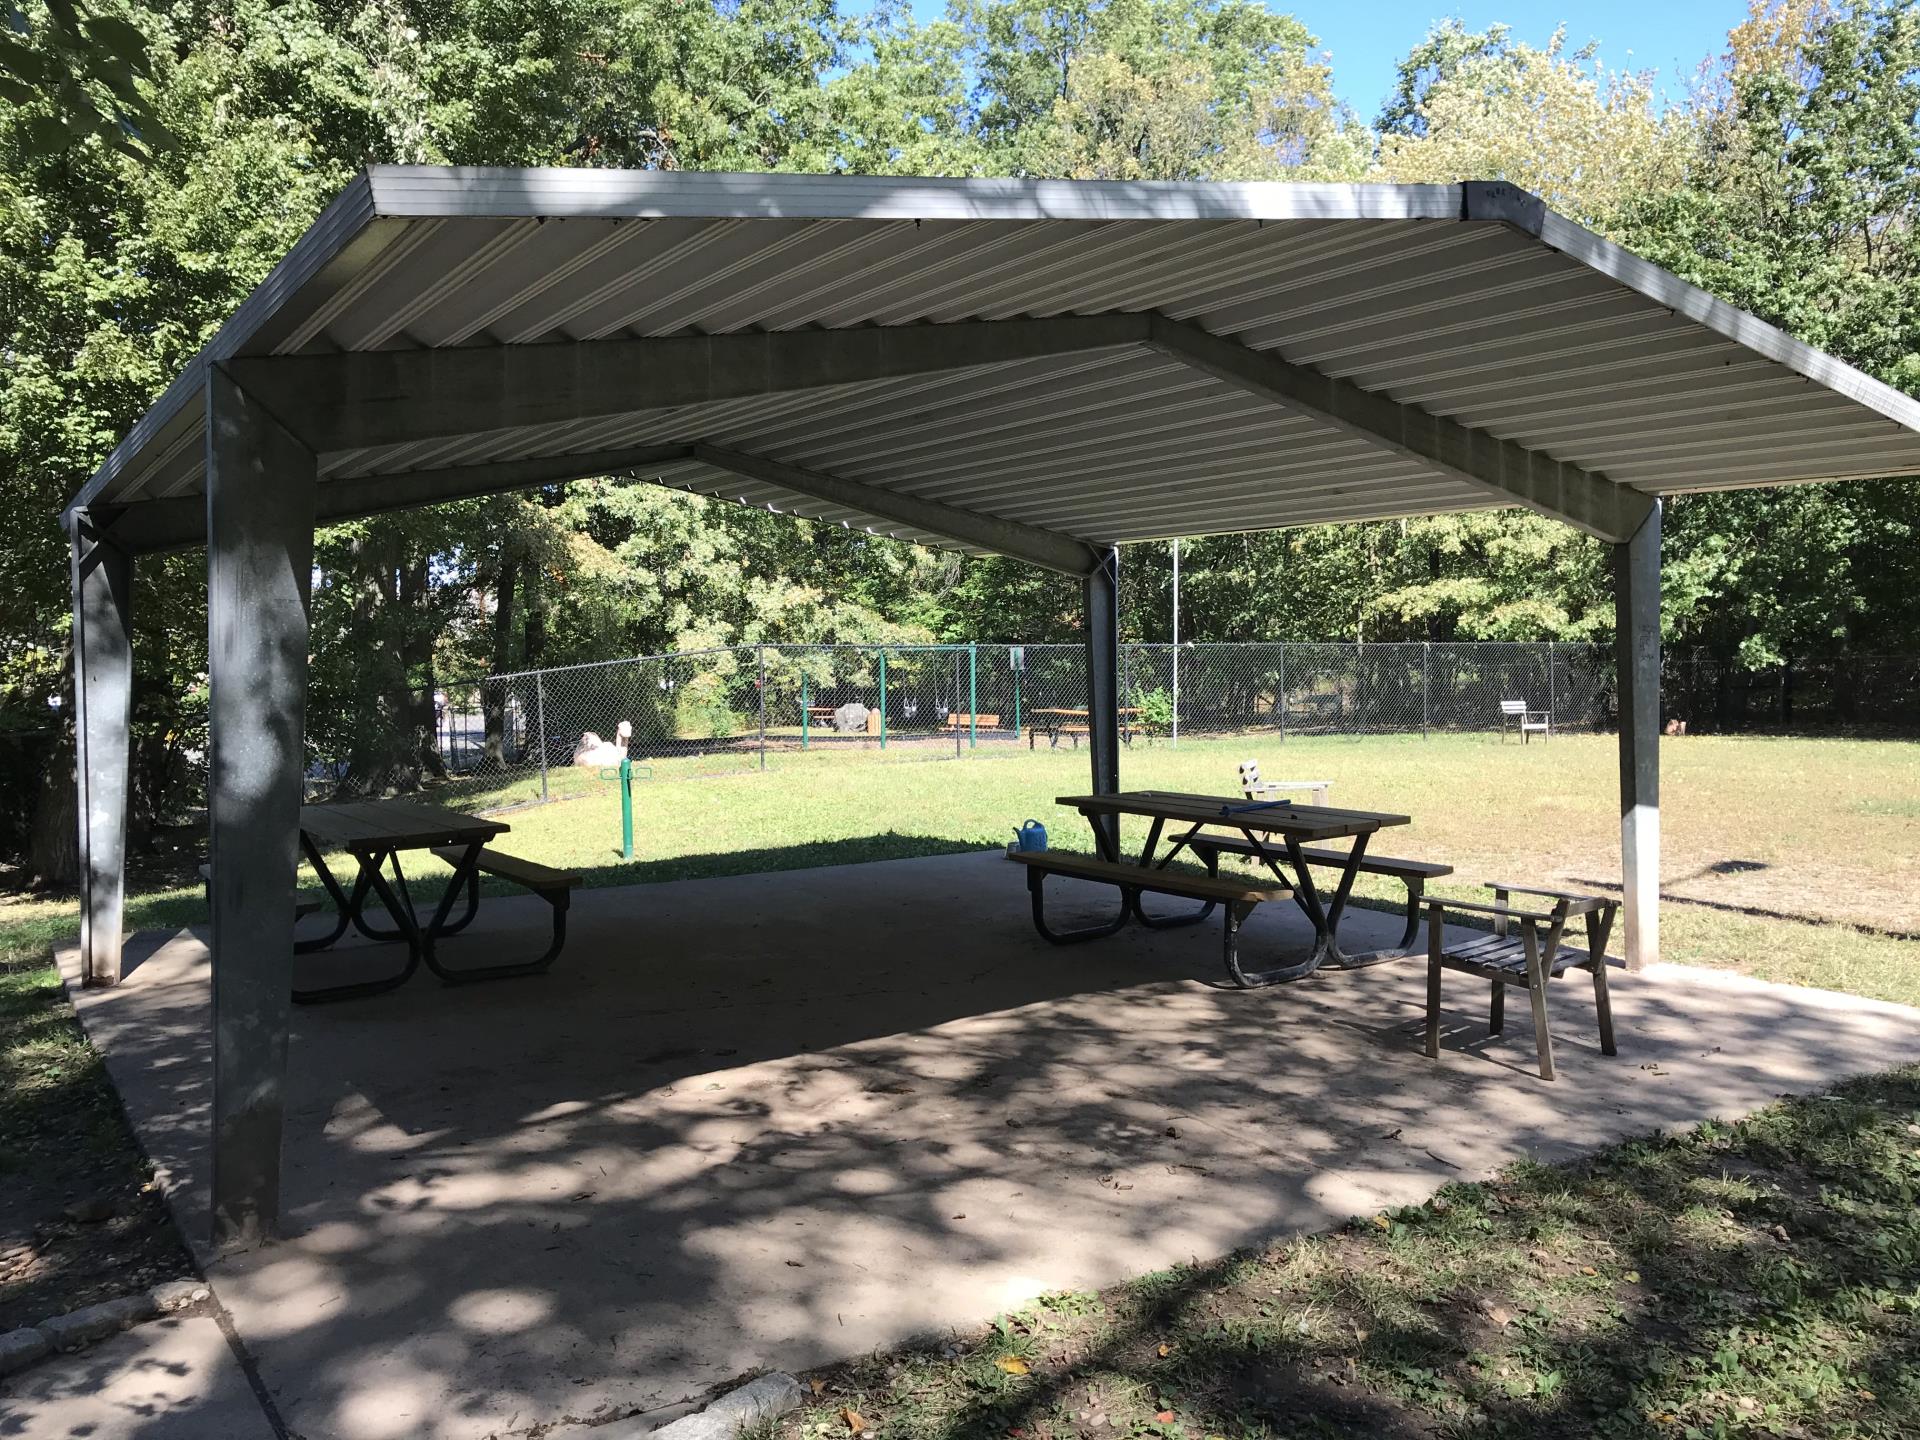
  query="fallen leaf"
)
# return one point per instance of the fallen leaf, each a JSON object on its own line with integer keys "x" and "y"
{"x": 1500, "y": 1315}
{"x": 1380, "y": 1222}
{"x": 1632, "y": 1277}
{"x": 853, "y": 1419}
{"x": 1165, "y": 1350}
{"x": 1588, "y": 1270}
{"x": 1013, "y": 1365}
{"x": 1164, "y": 1417}
{"x": 819, "y": 1386}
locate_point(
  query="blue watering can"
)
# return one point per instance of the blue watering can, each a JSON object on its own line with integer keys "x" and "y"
{"x": 1030, "y": 836}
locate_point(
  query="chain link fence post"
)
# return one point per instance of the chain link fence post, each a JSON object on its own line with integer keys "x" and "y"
{"x": 1426, "y": 675}
{"x": 883, "y": 699}
{"x": 540, "y": 721}
{"x": 760, "y": 683}
{"x": 973, "y": 695}
{"x": 1281, "y": 699}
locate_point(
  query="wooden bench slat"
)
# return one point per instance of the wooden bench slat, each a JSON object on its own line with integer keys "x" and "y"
{"x": 1377, "y": 864}
{"x": 1160, "y": 882}
{"x": 530, "y": 873}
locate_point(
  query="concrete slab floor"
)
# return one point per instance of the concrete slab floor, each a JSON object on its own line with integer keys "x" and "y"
{"x": 778, "y": 1119}
{"x": 174, "y": 1379}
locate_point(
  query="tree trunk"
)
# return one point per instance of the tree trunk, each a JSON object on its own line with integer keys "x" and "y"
{"x": 53, "y": 844}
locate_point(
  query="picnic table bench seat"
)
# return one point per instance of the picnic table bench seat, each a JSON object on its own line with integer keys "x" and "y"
{"x": 1235, "y": 897}
{"x": 553, "y": 886}
{"x": 1414, "y": 874}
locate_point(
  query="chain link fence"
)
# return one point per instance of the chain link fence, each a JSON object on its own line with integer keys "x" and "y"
{"x": 550, "y": 732}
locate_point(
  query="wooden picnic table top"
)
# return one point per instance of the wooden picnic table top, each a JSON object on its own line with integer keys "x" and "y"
{"x": 1078, "y": 714}
{"x": 1303, "y": 822}
{"x": 394, "y": 825}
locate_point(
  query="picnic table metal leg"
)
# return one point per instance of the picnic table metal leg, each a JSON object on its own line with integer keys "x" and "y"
{"x": 343, "y": 904}
{"x": 1166, "y": 922}
{"x": 1036, "y": 883}
{"x": 466, "y": 875}
{"x": 370, "y": 875}
{"x": 1326, "y": 919}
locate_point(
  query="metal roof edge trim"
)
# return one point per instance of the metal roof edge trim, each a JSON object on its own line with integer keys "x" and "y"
{"x": 559, "y": 193}
{"x": 1529, "y": 214}
{"x": 345, "y": 216}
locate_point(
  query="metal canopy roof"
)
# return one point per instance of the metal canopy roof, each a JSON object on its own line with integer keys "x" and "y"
{"x": 1297, "y": 354}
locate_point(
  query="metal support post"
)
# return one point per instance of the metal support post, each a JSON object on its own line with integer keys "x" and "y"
{"x": 102, "y": 575}
{"x": 626, "y": 807}
{"x": 883, "y": 699}
{"x": 760, "y": 684}
{"x": 805, "y": 707}
{"x": 260, "y": 518}
{"x": 1102, "y": 623}
{"x": 1636, "y": 568}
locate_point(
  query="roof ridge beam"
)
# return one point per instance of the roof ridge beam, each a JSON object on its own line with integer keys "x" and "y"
{"x": 1047, "y": 548}
{"x": 1503, "y": 469}
{"x": 366, "y": 399}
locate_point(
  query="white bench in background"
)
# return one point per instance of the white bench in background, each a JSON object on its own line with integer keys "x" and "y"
{"x": 1531, "y": 722}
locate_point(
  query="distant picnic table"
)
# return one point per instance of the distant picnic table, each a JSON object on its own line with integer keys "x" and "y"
{"x": 1054, "y": 722}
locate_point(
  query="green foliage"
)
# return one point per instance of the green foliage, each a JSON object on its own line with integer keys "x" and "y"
{"x": 77, "y": 74}
{"x": 1787, "y": 185}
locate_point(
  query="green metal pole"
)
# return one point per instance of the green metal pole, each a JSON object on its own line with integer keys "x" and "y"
{"x": 1016, "y": 697}
{"x": 973, "y": 696}
{"x": 626, "y": 808}
{"x": 803, "y": 709}
{"x": 883, "y": 699}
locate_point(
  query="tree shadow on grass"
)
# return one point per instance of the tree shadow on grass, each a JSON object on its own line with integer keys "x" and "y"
{"x": 1755, "y": 1279}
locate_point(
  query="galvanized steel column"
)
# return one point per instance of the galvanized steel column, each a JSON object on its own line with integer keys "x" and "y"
{"x": 260, "y": 517}
{"x": 1103, "y": 681}
{"x": 1636, "y": 569}
{"x": 103, "y": 699}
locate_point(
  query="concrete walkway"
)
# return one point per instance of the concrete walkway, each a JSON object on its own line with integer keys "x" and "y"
{"x": 168, "y": 1380}
{"x": 778, "y": 1119}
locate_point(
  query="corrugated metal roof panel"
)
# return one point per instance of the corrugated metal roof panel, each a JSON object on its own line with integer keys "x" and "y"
{"x": 1486, "y": 311}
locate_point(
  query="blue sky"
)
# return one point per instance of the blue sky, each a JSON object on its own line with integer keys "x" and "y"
{"x": 1366, "y": 37}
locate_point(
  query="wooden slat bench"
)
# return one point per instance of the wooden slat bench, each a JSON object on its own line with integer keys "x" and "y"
{"x": 1414, "y": 874}
{"x": 957, "y": 721}
{"x": 1236, "y": 898}
{"x": 1527, "y": 958}
{"x": 553, "y": 886}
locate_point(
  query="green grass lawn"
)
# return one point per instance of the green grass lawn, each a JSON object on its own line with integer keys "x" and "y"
{"x": 1790, "y": 859}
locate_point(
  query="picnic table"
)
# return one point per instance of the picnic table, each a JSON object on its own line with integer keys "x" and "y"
{"x": 1055, "y": 721}
{"x": 1273, "y": 832}
{"x": 375, "y": 833}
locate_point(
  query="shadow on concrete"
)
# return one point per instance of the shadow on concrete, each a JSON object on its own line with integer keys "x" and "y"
{"x": 779, "y": 1118}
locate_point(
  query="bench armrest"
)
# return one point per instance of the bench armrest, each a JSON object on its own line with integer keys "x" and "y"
{"x": 1543, "y": 917}
{"x": 1577, "y": 903}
